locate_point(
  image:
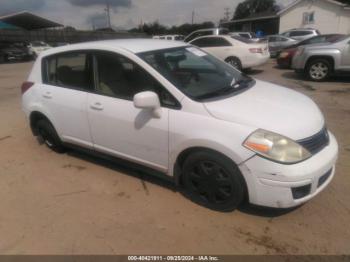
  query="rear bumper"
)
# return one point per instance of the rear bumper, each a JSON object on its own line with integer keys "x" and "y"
{"x": 257, "y": 60}
{"x": 283, "y": 186}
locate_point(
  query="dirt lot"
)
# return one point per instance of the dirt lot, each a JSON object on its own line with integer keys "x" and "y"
{"x": 73, "y": 204}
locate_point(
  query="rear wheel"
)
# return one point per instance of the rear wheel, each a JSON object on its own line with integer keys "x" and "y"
{"x": 49, "y": 135}
{"x": 235, "y": 62}
{"x": 319, "y": 69}
{"x": 213, "y": 181}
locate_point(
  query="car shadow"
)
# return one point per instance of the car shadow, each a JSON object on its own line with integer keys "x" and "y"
{"x": 268, "y": 212}
{"x": 333, "y": 79}
{"x": 124, "y": 167}
{"x": 145, "y": 174}
{"x": 253, "y": 71}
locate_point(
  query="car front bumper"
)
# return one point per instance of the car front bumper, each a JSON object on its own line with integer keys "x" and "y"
{"x": 277, "y": 185}
{"x": 298, "y": 63}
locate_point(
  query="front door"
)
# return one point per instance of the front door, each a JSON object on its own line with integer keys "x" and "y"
{"x": 117, "y": 127}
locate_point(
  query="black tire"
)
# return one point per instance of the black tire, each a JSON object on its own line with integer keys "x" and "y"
{"x": 235, "y": 62}
{"x": 2, "y": 59}
{"x": 49, "y": 135}
{"x": 212, "y": 180}
{"x": 318, "y": 70}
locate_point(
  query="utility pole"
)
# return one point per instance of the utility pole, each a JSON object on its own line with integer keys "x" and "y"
{"x": 227, "y": 14}
{"x": 108, "y": 13}
{"x": 193, "y": 17}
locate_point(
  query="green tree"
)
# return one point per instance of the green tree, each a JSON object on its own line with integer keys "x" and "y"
{"x": 250, "y": 7}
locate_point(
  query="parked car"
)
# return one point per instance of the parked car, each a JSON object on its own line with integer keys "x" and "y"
{"x": 319, "y": 61}
{"x": 206, "y": 32}
{"x": 220, "y": 134}
{"x": 10, "y": 52}
{"x": 301, "y": 33}
{"x": 285, "y": 58}
{"x": 37, "y": 47}
{"x": 278, "y": 42}
{"x": 241, "y": 53}
{"x": 248, "y": 35}
{"x": 169, "y": 37}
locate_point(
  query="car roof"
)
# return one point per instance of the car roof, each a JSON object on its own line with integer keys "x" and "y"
{"x": 131, "y": 45}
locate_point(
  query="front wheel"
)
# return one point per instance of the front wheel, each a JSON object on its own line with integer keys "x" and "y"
{"x": 318, "y": 70}
{"x": 213, "y": 181}
{"x": 235, "y": 62}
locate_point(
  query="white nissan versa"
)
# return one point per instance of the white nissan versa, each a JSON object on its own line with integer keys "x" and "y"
{"x": 220, "y": 134}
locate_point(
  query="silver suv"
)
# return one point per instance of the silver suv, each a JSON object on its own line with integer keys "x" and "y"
{"x": 319, "y": 61}
{"x": 301, "y": 34}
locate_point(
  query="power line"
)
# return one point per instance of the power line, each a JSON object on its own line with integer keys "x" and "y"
{"x": 108, "y": 13}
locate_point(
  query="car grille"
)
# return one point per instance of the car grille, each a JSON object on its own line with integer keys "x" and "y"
{"x": 317, "y": 142}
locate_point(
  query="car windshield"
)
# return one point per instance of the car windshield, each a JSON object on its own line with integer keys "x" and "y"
{"x": 198, "y": 75}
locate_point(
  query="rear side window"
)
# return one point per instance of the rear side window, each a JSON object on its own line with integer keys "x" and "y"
{"x": 299, "y": 33}
{"x": 71, "y": 70}
{"x": 211, "y": 42}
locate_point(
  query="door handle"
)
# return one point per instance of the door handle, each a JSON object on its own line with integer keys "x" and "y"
{"x": 47, "y": 95}
{"x": 97, "y": 106}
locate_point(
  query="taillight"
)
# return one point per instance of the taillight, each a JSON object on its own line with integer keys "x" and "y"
{"x": 25, "y": 86}
{"x": 256, "y": 50}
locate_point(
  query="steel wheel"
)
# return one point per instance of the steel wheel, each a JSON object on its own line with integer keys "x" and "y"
{"x": 49, "y": 135}
{"x": 48, "y": 140}
{"x": 211, "y": 182}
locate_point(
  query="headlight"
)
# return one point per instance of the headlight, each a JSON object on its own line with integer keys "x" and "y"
{"x": 276, "y": 147}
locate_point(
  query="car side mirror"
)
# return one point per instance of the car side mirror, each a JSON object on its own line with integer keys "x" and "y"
{"x": 148, "y": 100}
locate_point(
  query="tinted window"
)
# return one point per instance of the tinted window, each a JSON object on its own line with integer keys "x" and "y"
{"x": 211, "y": 42}
{"x": 71, "y": 70}
{"x": 299, "y": 33}
{"x": 119, "y": 77}
{"x": 198, "y": 34}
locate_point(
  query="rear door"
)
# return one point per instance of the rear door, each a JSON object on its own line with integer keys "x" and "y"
{"x": 67, "y": 78}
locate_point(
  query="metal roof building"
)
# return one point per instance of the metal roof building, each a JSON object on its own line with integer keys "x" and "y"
{"x": 26, "y": 20}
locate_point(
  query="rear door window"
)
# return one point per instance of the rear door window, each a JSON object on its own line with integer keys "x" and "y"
{"x": 299, "y": 33}
{"x": 71, "y": 70}
{"x": 211, "y": 42}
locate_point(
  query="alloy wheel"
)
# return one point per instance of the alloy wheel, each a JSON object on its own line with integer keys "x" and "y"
{"x": 319, "y": 71}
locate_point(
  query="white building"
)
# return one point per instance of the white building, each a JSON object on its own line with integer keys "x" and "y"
{"x": 328, "y": 16}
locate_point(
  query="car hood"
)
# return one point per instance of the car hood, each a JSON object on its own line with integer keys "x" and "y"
{"x": 273, "y": 108}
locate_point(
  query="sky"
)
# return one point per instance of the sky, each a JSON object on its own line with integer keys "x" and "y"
{"x": 125, "y": 14}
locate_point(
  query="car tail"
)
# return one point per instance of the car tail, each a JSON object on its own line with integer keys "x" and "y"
{"x": 26, "y": 86}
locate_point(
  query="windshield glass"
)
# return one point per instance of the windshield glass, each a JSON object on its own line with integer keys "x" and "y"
{"x": 198, "y": 75}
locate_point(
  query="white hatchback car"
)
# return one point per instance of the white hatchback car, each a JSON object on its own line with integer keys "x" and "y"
{"x": 223, "y": 136}
{"x": 240, "y": 52}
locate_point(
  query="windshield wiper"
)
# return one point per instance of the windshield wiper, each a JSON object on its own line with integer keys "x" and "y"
{"x": 220, "y": 92}
{"x": 237, "y": 86}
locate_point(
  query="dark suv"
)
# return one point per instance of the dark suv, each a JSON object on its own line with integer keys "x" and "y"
{"x": 14, "y": 52}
